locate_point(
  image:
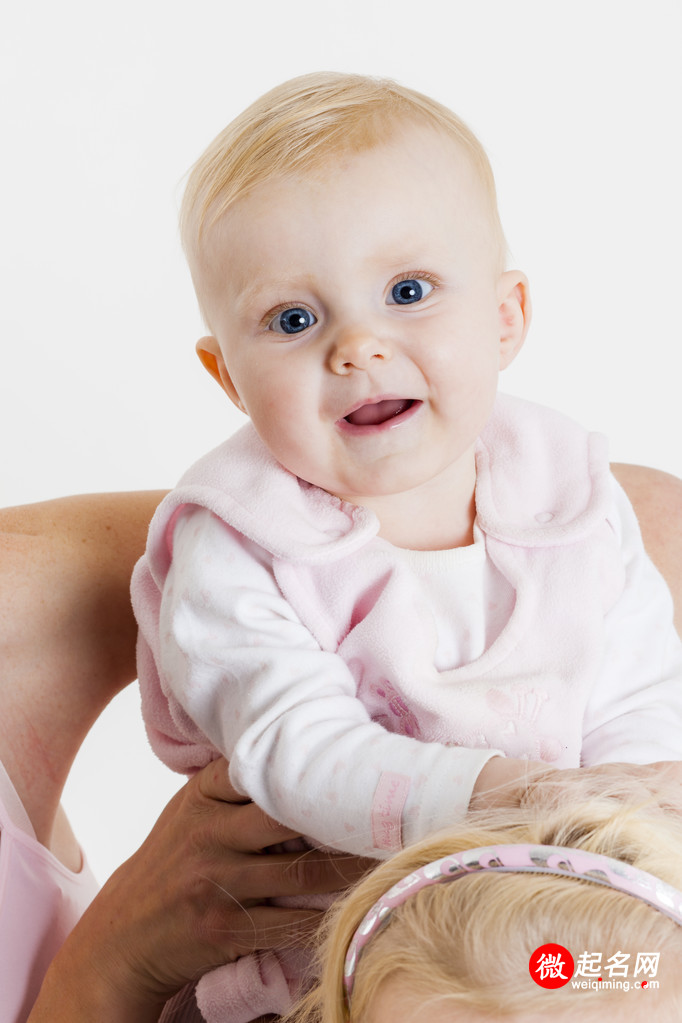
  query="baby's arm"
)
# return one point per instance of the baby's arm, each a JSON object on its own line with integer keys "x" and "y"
{"x": 239, "y": 662}
{"x": 635, "y": 711}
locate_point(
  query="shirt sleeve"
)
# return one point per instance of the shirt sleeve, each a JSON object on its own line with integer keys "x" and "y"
{"x": 285, "y": 712}
{"x": 635, "y": 711}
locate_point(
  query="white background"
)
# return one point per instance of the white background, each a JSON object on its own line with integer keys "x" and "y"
{"x": 105, "y": 107}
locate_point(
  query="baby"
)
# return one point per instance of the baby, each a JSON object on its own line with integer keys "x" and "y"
{"x": 393, "y": 589}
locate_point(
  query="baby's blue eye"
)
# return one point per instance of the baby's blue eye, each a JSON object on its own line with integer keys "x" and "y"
{"x": 292, "y": 321}
{"x": 410, "y": 291}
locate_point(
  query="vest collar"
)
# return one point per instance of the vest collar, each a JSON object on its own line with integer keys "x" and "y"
{"x": 542, "y": 480}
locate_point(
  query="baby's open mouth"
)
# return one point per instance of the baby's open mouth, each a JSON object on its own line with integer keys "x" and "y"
{"x": 379, "y": 411}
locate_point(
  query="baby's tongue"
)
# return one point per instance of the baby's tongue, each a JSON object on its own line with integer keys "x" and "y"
{"x": 378, "y": 412}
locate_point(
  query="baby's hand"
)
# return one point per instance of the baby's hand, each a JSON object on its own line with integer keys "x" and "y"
{"x": 503, "y": 782}
{"x": 660, "y": 783}
{"x": 508, "y": 783}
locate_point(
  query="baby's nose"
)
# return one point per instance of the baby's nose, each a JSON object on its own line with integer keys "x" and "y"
{"x": 356, "y": 348}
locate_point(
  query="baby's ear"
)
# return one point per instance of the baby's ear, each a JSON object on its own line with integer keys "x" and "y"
{"x": 211, "y": 359}
{"x": 515, "y": 314}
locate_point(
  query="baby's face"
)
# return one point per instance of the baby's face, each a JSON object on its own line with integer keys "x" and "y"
{"x": 361, "y": 317}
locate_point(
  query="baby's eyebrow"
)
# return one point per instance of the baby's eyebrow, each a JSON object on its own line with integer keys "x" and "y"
{"x": 273, "y": 289}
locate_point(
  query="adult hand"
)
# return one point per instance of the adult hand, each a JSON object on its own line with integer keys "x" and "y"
{"x": 193, "y": 897}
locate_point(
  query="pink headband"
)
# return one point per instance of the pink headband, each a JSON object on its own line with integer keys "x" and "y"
{"x": 532, "y": 859}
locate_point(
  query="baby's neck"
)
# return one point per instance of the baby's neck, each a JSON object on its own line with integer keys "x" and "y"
{"x": 435, "y": 517}
{"x": 429, "y": 532}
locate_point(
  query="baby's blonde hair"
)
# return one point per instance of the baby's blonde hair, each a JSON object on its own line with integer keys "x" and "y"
{"x": 466, "y": 944}
{"x": 298, "y": 127}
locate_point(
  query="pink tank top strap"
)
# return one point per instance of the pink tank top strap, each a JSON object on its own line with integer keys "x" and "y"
{"x": 12, "y": 810}
{"x": 40, "y": 901}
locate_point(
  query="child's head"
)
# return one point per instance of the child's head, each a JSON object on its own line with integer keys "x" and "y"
{"x": 304, "y": 124}
{"x": 460, "y": 950}
{"x": 347, "y": 253}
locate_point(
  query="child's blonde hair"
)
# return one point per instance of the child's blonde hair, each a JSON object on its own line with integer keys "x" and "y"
{"x": 466, "y": 944}
{"x": 298, "y": 126}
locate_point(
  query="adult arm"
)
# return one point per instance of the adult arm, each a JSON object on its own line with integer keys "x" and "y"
{"x": 67, "y": 637}
{"x": 656, "y": 497}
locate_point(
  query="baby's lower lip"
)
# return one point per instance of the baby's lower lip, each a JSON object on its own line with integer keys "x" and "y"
{"x": 379, "y": 415}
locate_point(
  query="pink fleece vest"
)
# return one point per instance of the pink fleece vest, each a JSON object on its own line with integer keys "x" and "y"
{"x": 543, "y": 499}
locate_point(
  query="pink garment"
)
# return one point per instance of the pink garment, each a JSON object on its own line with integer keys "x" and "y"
{"x": 40, "y": 902}
{"x": 342, "y": 725}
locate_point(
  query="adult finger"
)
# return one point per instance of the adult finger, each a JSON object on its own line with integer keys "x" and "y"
{"x": 251, "y": 828}
{"x": 214, "y": 782}
{"x": 273, "y": 875}
{"x": 272, "y": 927}
{"x": 246, "y": 828}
